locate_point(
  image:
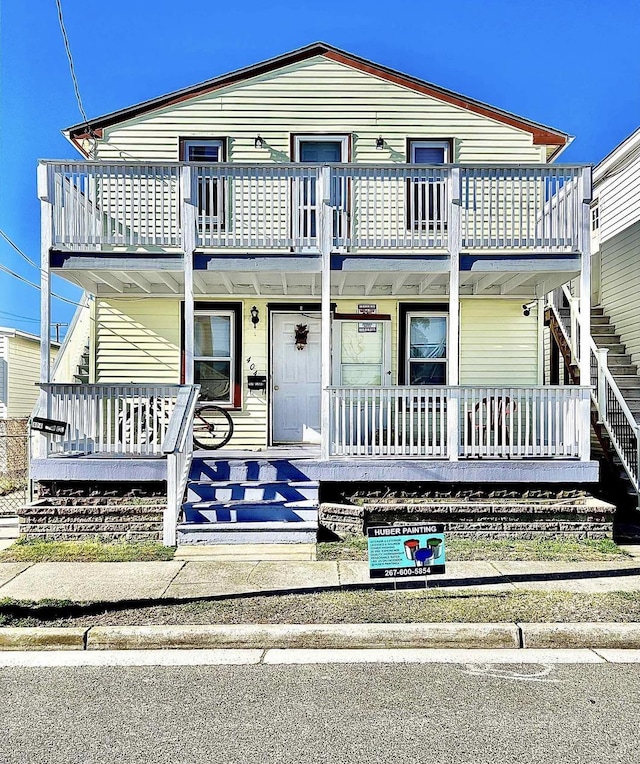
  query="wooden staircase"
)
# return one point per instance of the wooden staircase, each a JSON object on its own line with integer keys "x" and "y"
{"x": 614, "y": 480}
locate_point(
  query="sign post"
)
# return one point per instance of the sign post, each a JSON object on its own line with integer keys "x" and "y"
{"x": 406, "y": 551}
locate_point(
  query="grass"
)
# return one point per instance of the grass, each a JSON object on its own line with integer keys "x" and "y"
{"x": 364, "y": 606}
{"x": 86, "y": 551}
{"x": 457, "y": 550}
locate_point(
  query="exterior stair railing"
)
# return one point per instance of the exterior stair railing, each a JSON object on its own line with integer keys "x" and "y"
{"x": 178, "y": 448}
{"x": 612, "y": 410}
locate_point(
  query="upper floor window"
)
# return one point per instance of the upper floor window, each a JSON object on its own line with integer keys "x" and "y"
{"x": 426, "y": 196}
{"x": 202, "y": 150}
{"x": 595, "y": 217}
{"x": 210, "y": 188}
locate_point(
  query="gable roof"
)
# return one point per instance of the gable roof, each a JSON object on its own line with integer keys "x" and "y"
{"x": 542, "y": 134}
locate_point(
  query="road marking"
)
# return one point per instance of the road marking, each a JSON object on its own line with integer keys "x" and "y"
{"x": 55, "y": 658}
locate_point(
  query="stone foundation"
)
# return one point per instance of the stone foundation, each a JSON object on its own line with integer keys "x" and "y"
{"x": 580, "y": 517}
{"x": 56, "y": 519}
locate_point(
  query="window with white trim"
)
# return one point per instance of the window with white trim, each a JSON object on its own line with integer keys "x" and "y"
{"x": 426, "y": 352}
{"x": 426, "y": 197}
{"x": 214, "y": 366}
{"x": 209, "y": 187}
{"x": 362, "y": 356}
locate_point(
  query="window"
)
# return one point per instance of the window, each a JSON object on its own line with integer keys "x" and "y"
{"x": 214, "y": 355}
{"x": 210, "y": 187}
{"x": 426, "y": 196}
{"x": 426, "y": 337}
{"x": 320, "y": 149}
{"x": 595, "y": 217}
{"x": 362, "y": 358}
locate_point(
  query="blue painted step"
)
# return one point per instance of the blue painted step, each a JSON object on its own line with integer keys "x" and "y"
{"x": 252, "y": 491}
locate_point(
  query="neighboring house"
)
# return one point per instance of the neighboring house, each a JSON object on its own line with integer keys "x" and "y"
{"x": 19, "y": 372}
{"x": 339, "y": 254}
{"x": 615, "y": 329}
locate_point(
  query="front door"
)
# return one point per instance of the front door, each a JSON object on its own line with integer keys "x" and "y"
{"x": 295, "y": 377}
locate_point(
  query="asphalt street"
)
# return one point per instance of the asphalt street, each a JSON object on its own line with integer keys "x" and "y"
{"x": 263, "y": 714}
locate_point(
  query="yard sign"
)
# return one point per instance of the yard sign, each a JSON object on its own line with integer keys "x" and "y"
{"x": 406, "y": 550}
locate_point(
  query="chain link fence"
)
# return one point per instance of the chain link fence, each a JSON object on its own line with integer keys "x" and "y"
{"x": 14, "y": 465}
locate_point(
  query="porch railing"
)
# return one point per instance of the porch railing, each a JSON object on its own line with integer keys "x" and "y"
{"x": 394, "y": 207}
{"x": 462, "y": 421}
{"x": 129, "y": 420}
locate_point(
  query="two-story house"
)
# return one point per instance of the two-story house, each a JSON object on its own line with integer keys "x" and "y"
{"x": 350, "y": 260}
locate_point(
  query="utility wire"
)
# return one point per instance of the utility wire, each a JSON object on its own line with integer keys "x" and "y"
{"x": 72, "y": 69}
{"x": 12, "y": 243}
{"x": 37, "y": 286}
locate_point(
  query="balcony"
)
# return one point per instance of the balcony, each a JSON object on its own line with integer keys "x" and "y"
{"x": 296, "y": 208}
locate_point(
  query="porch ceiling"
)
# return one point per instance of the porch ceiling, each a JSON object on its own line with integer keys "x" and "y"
{"x": 112, "y": 283}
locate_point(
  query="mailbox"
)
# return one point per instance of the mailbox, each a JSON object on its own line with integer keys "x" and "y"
{"x": 257, "y": 382}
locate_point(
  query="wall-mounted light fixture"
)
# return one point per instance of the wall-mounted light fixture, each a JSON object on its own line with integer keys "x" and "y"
{"x": 258, "y": 142}
{"x": 255, "y": 316}
{"x": 379, "y": 143}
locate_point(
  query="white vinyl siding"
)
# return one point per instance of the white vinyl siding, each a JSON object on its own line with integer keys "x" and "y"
{"x": 3, "y": 377}
{"x": 618, "y": 200}
{"x": 498, "y": 345}
{"x": 317, "y": 96}
{"x": 620, "y": 285}
{"x": 137, "y": 340}
{"x": 23, "y": 375}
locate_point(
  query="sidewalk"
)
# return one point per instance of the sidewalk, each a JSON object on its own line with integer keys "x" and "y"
{"x": 136, "y": 581}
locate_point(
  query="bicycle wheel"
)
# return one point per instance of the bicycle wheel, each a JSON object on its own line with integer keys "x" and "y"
{"x": 212, "y": 427}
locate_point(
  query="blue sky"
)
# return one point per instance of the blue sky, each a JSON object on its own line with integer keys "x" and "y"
{"x": 571, "y": 64}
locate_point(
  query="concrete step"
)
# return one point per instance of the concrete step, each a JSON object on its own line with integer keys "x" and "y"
{"x": 608, "y": 342}
{"x": 252, "y": 490}
{"x": 599, "y": 320}
{"x": 618, "y": 359}
{"x": 597, "y": 310}
{"x": 247, "y": 533}
{"x": 247, "y": 553}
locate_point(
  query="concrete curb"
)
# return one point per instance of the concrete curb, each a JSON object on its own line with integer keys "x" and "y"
{"x": 340, "y": 636}
{"x": 624, "y": 636}
{"x": 42, "y": 638}
{"x": 616, "y": 636}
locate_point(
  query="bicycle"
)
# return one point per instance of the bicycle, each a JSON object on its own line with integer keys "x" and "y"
{"x": 212, "y": 427}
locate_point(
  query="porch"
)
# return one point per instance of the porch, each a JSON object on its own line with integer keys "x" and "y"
{"x": 126, "y": 431}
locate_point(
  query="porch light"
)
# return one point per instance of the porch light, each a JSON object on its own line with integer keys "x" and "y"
{"x": 259, "y": 142}
{"x": 255, "y": 316}
{"x": 379, "y": 143}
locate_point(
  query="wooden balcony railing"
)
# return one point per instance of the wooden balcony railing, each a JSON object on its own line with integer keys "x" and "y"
{"x": 463, "y": 421}
{"x": 396, "y": 207}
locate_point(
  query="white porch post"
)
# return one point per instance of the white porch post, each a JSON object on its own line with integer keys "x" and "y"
{"x": 453, "y": 340}
{"x": 325, "y": 232}
{"x": 585, "y": 308}
{"x": 46, "y": 241}
{"x": 188, "y": 232}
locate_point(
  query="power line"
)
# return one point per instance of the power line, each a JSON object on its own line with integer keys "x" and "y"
{"x": 18, "y": 250}
{"x": 36, "y": 286}
{"x": 72, "y": 69}
{"x": 6, "y": 314}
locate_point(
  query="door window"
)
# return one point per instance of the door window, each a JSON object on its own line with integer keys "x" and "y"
{"x": 363, "y": 353}
{"x": 427, "y": 349}
{"x": 426, "y": 202}
{"x": 209, "y": 186}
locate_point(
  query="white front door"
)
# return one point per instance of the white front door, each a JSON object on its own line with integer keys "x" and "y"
{"x": 295, "y": 378}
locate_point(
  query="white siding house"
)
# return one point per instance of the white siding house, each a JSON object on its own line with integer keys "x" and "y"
{"x": 337, "y": 253}
{"x": 19, "y": 372}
